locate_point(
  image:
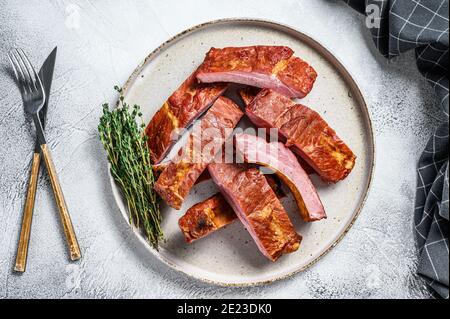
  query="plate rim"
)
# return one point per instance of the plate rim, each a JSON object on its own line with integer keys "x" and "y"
{"x": 348, "y": 78}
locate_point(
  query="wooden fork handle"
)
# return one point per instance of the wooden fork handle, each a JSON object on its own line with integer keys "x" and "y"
{"x": 22, "y": 248}
{"x": 71, "y": 239}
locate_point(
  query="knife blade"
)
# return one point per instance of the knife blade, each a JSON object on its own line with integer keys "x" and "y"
{"x": 69, "y": 232}
{"x": 46, "y": 75}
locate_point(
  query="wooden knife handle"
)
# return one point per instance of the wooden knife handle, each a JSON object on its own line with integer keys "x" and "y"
{"x": 75, "y": 252}
{"x": 22, "y": 248}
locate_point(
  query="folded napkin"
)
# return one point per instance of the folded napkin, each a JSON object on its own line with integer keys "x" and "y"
{"x": 398, "y": 26}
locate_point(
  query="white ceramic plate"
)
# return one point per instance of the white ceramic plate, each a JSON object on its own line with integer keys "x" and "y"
{"x": 229, "y": 256}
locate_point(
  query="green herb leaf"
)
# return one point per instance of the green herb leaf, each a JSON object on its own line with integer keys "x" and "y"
{"x": 129, "y": 156}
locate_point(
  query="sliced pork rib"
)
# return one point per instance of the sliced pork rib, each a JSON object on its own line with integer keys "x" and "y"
{"x": 206, "y": 217}
{"x": 257, "y": 206}
{"x": 212, "y": 214}
{"x": 272, "y": 67}
{"x": 278, "y": 157}
{"x": 247, "y": 95}
{"x": 185, "y": 105}
{"x": 305, "y": 132}
{"x": 175, "y": 182}
{"x": 158, "y": 169}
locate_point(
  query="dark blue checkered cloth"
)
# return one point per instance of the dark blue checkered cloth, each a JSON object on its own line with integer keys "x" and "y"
{"x": 398, "y": 26}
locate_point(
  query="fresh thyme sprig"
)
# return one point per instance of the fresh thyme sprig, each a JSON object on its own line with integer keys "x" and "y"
{"x": 129, "y": 156}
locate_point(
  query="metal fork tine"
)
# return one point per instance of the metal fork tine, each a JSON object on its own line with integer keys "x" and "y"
{"x": 17, "y": 68}
{"x": 25, "y": 71}
{"x": 20, "y": 76}
{"x": 14, "y": 67}
{"x": 36, "y": 80}
{"x": 16, "y": 74}
{"x": 23, "y": 76}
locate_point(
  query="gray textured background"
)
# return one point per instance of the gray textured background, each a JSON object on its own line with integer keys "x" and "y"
{"x": 99, "y": 44}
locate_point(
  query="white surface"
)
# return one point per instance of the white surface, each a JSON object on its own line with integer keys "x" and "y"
{"x": 99, "y": 44}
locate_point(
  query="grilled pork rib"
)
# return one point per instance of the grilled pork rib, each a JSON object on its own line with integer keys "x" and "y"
{"x": 247, "y": 95}
{"x": 206, "y": 217}
{"x": 185, "y": 105}
{"x": 278, "y": 157}
{"x": 258, "y": 208}
{"x": 177, "y": 179}
{"x": 213, "y": 213}
{"x": 305, "y": 132}
{"x": 272, "y": 67}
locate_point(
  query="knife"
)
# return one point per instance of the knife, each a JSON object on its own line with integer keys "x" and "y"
{"x": 46, "y": 76}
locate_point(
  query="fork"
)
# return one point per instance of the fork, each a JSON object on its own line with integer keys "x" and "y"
{"x": 33, "y": 97}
